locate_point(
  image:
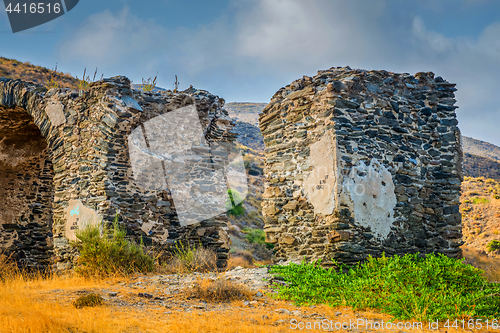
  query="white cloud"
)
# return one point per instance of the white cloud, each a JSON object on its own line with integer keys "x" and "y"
{"x": 435, "y": 40}
{"x": 105, "y": 38}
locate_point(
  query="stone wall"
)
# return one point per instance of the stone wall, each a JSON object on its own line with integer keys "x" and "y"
{"x": 362, "y": 162}
{"x": 65, "y": 161}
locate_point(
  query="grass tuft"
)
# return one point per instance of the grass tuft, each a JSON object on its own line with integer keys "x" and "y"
{"x": 88, "y": 300}
{"x": 219, "y": 290}
{"x": 187, "y": 258}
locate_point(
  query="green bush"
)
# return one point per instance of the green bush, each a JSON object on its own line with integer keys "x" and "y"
{"x": 109, "y": 253}
{"x": 432, "y": 288}
{"x": 232, "y": 209}
{"x": 493, "y": 246}
{"x": 257, "y": 236}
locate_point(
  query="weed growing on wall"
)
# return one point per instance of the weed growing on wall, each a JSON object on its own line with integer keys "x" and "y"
{"x": 51, "y": 81}
{"x": 109, "y": 252}
{"x": 176, "y": 85}
{"x": 84, "y": 83}
{"x": 432, "y": 288}
{"x": 149, "y": 84}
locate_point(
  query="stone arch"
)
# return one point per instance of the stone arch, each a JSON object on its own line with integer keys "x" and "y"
{"x": 26, "y": 174}
{"x": 79, "y": 142}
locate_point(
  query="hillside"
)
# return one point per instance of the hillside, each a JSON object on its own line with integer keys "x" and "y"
{"x": 13, "y": 69}
{"x": 478, "y": 166}
{"x": 480, "y": 212}
{"x": 480, "y": 148}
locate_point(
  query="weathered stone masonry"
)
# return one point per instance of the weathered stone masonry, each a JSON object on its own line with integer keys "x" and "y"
{"x": 61, "y": 152}
{"x": 362, "y": 162}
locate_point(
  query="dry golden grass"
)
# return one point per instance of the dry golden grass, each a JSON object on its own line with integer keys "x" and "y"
{"x": 235, "y": 261}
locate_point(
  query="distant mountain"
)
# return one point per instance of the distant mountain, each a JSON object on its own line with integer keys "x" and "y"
{"x": 480, "y": 148}
{"x": 244, "y": 111}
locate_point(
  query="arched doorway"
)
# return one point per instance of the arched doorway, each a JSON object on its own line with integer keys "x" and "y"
{"x": 26, "y": 190}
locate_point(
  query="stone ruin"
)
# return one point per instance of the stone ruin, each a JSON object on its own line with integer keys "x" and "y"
{"x": 362, "y": 162}
{"x": 67, "y": 159}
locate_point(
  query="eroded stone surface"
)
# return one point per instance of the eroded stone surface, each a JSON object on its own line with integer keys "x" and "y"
{"x": 369, "y": 194}
{"x": 321, "y": 184}
{"x": 78, "y": 217}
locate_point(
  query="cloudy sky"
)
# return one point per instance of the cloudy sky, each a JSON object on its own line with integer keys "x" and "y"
{"x": 245, "y": 50}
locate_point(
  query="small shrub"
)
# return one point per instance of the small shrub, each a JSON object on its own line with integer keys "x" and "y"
{"x": 88, "y": 300}
{"x": 495, "y": 232}
{"x": 232, "y": 208}
{"x": 219, "y": 290}
{"x": 496, "y": 196}
{"x": 109, "y": 253}
{"x": 480, "y": 201}
{"x": 235, "y": 261}
{"x": 466, "y": 209}
{"x": 432, "y": 288}
{"x": 466, "y": 201}
{"x": 493, "y": 246}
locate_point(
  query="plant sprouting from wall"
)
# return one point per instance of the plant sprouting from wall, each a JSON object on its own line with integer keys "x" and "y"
{"x": 85, "y": 81}
{"x": 176, "y": 85}
{"x": 149, "y": 84}
{"x": 51, "y": 81}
